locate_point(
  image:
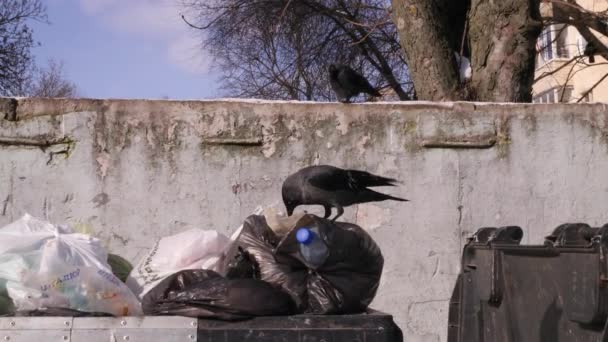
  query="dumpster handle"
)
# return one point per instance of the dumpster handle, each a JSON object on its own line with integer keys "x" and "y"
{"x": 496, "y": 285}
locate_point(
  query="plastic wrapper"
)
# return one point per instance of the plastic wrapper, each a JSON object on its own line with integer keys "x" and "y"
{"x": 205, "y": 293}
{"x": 345, "y": 283}
{"x": 278, "y": 222}
{"x": 43, "y": 267}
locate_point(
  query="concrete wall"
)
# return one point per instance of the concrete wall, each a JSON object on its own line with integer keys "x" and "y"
{"x": 133, "y": 171}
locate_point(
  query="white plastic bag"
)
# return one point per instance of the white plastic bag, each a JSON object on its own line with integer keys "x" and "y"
{"x": 48, "y": 266}
{"x": 191, "y": 249}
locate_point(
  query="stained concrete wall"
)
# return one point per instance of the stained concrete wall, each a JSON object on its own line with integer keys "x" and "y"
{"x": 131, "y": 171}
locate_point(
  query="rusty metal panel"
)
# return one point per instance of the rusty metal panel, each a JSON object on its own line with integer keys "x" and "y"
{"x": 35, "y": 329}
{"x": 102, "y": 329}
{"x": 134, "y": 329}
{"x": 371, "y": 327}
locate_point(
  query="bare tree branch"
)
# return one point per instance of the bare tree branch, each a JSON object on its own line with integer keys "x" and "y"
{"x": 556, "y": 70}
{"x": 568, "y": 77}
{"x": 16, "y": 41}
{"x": 194, "y": 26}
{"x": 281, "y": 49}
{"x": 591, "y": 89}
{"x": 52, "y": 82}
{"x": 569, "y": 12}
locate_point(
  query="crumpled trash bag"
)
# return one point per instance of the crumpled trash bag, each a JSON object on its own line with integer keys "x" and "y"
{"x": 46, "y": 266}
{"x": 190, "y": 249}
{"x": 345, "y": 283}
{"x": 205, "y": 293}
{"x": 60, "y": 312}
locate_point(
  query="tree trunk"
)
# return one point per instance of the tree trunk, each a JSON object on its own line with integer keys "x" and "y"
{"x": 502, "y": 36}
{"x": 501, "y": 39}
{"x": 424, "y": 39}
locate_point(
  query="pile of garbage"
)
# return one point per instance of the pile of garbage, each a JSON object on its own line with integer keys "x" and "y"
{"x": 48, "y": 269}
{"x": 272, "y": 265}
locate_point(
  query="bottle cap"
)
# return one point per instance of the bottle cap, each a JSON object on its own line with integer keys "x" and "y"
{"x": 304, "y": 236}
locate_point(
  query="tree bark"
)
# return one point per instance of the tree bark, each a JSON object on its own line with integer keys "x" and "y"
{"x": 424, "y": 37}
{"x": 502, "y": 36}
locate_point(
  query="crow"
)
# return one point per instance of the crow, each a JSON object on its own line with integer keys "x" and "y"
{"x": 330, "y": 186}
{"x": 347, "y": 83}
{"x": 590, "y": 51}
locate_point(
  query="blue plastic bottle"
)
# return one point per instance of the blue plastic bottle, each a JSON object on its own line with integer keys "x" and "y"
{"x": 312, "y": 247}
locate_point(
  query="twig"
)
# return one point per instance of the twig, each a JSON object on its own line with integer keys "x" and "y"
{"x": 546, "y": 74}
{"x": 591, "y": 89}
{"x": 561, "y": 97}
{"x": 364, "y": 25}
{"x": 577, "y": 6}
{"x": 284, "y": 10}
{"x": 366, "y": 35}
{"x": 194, "y": 26}
{"x": 464, "y": 34}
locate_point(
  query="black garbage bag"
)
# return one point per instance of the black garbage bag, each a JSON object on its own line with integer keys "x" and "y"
{"x": 205, "y": 293}
{"x": 60, "y": 312}
{"x": 345, "y": 283}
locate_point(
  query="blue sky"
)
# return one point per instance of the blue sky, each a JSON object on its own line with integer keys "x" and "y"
{"x": 126, "y": 49}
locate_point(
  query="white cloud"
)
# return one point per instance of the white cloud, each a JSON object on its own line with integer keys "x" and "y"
{"x": 157, "y": 20}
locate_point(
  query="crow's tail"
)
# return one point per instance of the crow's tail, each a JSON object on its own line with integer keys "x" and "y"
{"x": 374, "y": 196}
{"x": 373, "y": 92}
{"x": 376, "y": 93}
{"x": 388, "y": 197}
{"x": 368, "y": 88}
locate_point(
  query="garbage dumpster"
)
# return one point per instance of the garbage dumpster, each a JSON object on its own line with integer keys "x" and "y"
{"x": 551, "y": 292}
{"x": 370, "y": 327}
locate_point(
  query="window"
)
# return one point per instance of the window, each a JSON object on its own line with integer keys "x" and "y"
{"x": 561, "y": 47}
{"x": 545, "y": 97}
{"x": 555, "y": 95}
{"x": 552, "y": 43}
{"x": 545, "y": 46}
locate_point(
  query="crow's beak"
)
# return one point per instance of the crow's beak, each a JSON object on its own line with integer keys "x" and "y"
{"x": 290, "y": 211}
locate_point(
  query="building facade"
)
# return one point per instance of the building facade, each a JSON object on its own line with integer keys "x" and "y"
{"x": 563, "y": 73}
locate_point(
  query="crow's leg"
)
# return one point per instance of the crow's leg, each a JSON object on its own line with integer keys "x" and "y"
{"x": 327, "y": 211}
{"x": 340, "y": 212}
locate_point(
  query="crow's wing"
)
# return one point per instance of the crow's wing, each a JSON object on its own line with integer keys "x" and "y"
{"x": 347, "y": 180}
{"x": 366, "y": 179}
{"x": 332, "y": 179}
